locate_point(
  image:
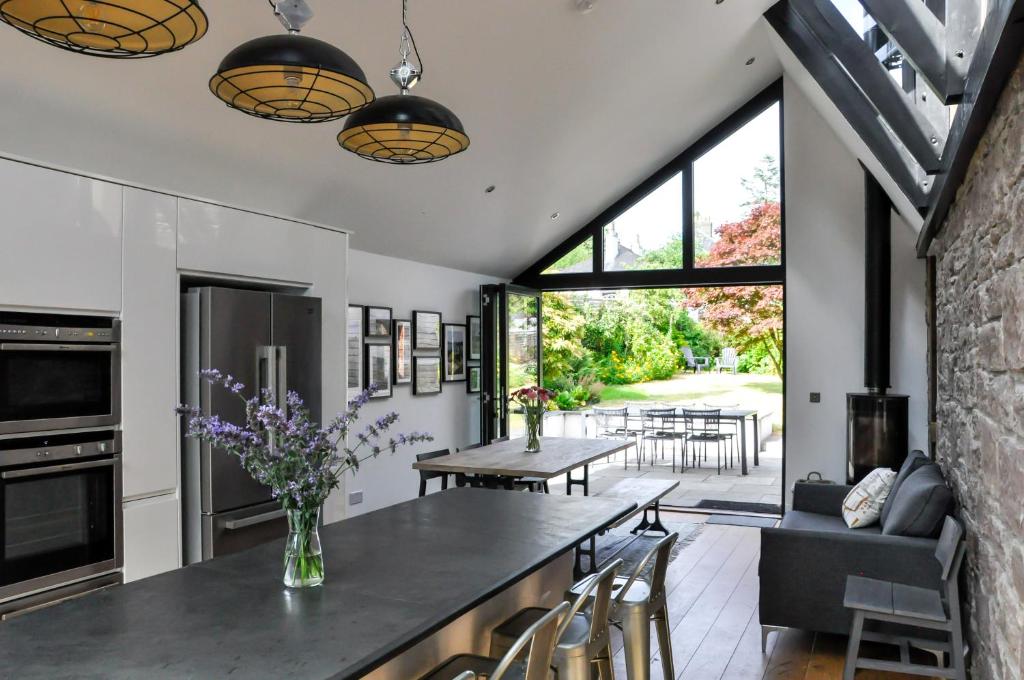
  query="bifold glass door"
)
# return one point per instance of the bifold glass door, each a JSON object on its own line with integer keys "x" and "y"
{"x": 512, "y": 322}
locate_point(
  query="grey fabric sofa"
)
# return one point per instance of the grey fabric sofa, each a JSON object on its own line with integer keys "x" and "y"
{"x": 805, "y": 562}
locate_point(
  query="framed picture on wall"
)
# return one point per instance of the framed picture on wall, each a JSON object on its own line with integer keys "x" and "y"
{"x": 354, "y": 334}
{"x": 454, "y": 352}
{"x": 473, "y": 380}
{"x": 378, "y": 369}
{"x": 426, "y": 330}
{"x": 378, "y": 322}
{"x": 402, "y": 336}
{"x": 426, "y": 375}
{"x": 475, "y": 341}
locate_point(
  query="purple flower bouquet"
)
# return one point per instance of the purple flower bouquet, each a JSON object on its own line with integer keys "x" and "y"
{"x": 298, "y": 459}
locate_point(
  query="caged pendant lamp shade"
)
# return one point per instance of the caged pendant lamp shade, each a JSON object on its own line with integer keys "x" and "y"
{"x": 291, "y": 78}
{"x": 126, "y": 29}
{"x": 404, "y": 129}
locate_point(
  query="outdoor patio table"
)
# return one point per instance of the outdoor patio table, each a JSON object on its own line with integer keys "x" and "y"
{"x": 739, "y": 415}
{"x": 509, "y": 460}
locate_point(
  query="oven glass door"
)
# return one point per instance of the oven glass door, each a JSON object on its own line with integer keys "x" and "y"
{"x": 56, "y": 519}
{"x": 48, "y": 386}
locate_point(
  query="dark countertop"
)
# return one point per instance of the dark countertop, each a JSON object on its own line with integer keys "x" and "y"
{"x": 393, "y": 577}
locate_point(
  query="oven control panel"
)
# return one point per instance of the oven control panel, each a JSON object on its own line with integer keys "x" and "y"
{"x": 59, "y": 334}
{"x": 58, "y": 447}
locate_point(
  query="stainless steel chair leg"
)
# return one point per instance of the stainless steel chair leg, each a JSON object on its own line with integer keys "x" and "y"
{"x": 636, "y": 634}
{"x": 664, "y": 643}
{"x": 574, "y": 668}
{"x": 605, "y": 667}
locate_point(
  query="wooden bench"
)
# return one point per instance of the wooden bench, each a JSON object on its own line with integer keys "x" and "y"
{"x": 648, "y": 494}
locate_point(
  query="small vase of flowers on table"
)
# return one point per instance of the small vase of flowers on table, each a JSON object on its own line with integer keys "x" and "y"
{"x": 534, "y": 401}
{"x": 302, "y": 462}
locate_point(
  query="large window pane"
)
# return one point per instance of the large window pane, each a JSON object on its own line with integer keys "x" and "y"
{"x": 580, "y": 260}
{"x": 736, "y": 200}
{"x": 648, "y": 235}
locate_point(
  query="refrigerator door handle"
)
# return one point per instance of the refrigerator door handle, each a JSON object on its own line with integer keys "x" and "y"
{"x": 266, "y": 371}
{"x": 281, "y": 368}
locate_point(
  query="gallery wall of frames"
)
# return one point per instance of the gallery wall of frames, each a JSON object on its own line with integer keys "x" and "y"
{"x": 420, "y": 351}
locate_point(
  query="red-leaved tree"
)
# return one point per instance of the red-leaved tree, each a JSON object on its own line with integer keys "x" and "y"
{"x": 747, "y": 315}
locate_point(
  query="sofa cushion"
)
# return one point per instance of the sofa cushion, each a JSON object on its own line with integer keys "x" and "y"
{"x": 812, "y": 521}
{"x": 920, "y": 506}
{"x": 913, "y": 461}
{"x": 863, "y": 505}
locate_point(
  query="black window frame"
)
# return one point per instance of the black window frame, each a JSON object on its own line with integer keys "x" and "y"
{"x": 688, "y": 275}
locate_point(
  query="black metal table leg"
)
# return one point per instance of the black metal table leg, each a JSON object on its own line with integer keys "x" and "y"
{"x": 585, "y": 482}
{"x": 591, "y": 554}
{"x": 757, "y": 439}
{"x": 645, "y": 524}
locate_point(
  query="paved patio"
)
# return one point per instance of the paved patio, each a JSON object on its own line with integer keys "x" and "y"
{"x": 762, "y": 485}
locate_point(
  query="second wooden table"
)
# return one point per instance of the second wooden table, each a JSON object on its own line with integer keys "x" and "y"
{"x": 509, "y": 459}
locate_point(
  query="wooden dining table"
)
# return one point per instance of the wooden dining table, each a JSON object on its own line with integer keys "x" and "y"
{"x": 508, "y": 460}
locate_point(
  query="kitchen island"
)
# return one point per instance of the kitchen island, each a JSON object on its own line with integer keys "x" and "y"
{"x": 394, "y": 578}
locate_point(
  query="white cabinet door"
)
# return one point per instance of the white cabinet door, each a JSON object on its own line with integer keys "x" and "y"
{"x": 152, "y": 537}
{"x": 218, "y": 240}
{"x": 150, "y": 344}
{"x": 60, "y": 240}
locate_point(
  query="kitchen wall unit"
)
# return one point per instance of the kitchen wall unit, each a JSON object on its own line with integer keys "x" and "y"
{"x": 77, "y": 244}
{"x": 60, "y": 240}
{"x": 149, "y": 344}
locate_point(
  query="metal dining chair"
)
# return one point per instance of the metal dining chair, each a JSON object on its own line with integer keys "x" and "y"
{"x": 539, "y": 639}
{"x": 729, "y": 427}
{"x": 910, "y": 606}
{"x": 610, "y": 423}
{"x": 582, "y": 641}
{"x": 426, "y": 475}
{"x": 636, "y": 604}
{"x": 658, "y": 426}
{"x": 702, "y": 428}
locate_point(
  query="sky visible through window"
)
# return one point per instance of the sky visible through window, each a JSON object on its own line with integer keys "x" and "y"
{"x": 719, "y": 192}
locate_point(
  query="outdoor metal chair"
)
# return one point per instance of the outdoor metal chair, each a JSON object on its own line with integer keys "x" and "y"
{"x": 728, "y": 361}
{"x": 610, "y": 423}
{"x": 695, "y": 364}
{"x": 702, "y": 428}
{"x": 539, "y": 638}
{"x": 657, "y": 427}
{"x": 636, "y": 604}
{"x": 729, "y": 427}
{"x": 426, "y": 475}
{"x": 583, "y": 643}
{"x": 910, "y": 606}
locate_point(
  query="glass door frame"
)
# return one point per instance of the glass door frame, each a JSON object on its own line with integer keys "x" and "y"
{"x": 494, "y": 328}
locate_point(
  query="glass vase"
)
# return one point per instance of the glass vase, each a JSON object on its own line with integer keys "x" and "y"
{"x": 532, "y": 431}
{"x": 303, "y": 561}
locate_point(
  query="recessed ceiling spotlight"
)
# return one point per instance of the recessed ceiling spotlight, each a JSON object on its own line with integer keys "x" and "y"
{"x": 585, "y": 6}
{"x": 555, "y": 215}
{"x": 751, "y": 60}
{"x": 719, "y": 2}
{"x": 489, "y": 190}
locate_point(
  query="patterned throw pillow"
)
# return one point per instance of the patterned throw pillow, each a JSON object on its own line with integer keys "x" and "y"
{"x": 863, "y": 505}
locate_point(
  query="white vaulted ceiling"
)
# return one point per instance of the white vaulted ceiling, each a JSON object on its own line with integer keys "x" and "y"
{"x": 566, "y": 111}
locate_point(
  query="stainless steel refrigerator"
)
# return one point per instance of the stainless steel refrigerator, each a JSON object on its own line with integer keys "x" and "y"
{"x": 265, "y": 340}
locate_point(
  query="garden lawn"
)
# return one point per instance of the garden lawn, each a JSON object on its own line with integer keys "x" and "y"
{"x": 760, "y": 392}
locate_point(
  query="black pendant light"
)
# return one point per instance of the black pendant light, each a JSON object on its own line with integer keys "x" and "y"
{"x": 404, "y": 129}
{"x": 290, "y": 77}
{"x": 126, "y": 29}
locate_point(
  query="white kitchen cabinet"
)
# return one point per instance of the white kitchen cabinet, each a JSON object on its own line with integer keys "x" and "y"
{"x": 60, "y": 240}
{"x": 218, "y": 240}
{"x": 149, "y": 344}
{"x": 152, "y": 536}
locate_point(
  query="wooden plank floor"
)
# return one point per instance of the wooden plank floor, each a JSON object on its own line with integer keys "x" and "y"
{"x": 712, "y": 599}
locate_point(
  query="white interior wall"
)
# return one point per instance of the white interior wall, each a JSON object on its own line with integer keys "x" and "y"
{"x": 452, "y": 417}
{"x": 825, "y": 297}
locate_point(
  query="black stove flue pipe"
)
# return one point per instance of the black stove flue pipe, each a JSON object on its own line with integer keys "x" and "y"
{"x": 877, "y": 285}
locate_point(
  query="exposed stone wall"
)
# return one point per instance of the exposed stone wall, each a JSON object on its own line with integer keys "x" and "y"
{"x": 980, "y": 324}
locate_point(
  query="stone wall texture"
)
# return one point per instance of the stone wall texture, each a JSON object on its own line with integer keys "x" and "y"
{"x": 980, "y": 390}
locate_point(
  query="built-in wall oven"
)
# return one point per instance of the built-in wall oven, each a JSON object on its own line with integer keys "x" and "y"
{"x": 60, "y": 510}
{"x": 58, "y": 372}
